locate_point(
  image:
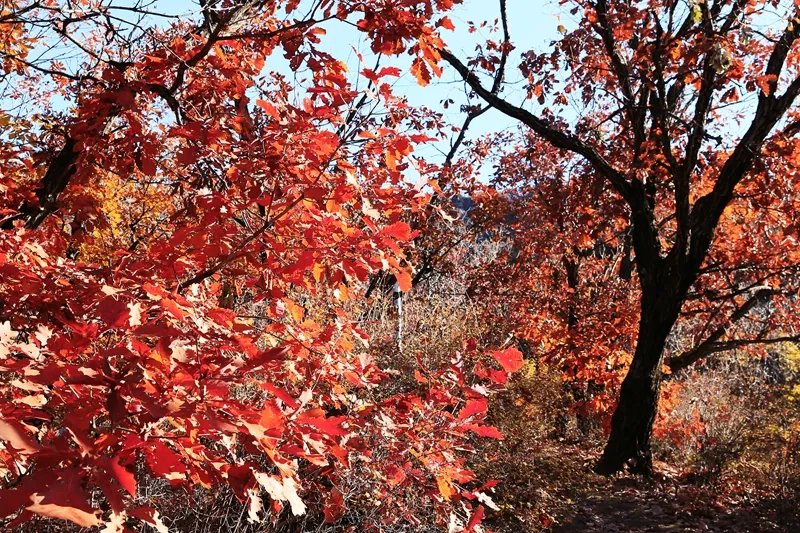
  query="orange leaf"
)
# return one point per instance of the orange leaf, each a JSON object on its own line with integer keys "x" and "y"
{"x": 447, "y": 23}
{"x": 474, "y": 407}
{"x": 64, "y": 512}
{"x": 15, "y": 435}
{"x": 268, "y": 108}
{"x": 271, "y": 417}
{"x": 421, "y": 72}
{"x": 404, "y": 280}
{"x": 445, "y": 489}
{"x": 399, "y": 230}
{"x": 765, "y": 83}
{"x": 510, "y": 359}
{"x": 172, "y": 307}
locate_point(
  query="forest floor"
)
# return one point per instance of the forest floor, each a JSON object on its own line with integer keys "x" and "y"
{"x": 556, "y": 490}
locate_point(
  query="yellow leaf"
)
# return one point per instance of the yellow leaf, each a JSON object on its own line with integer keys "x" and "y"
{"x": 317, "y": 270}
{"x": 445, "y": 488}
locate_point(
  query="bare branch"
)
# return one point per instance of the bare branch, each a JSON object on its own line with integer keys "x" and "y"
{"x": 711, "y": 344}
{"x": 554, "y": 136}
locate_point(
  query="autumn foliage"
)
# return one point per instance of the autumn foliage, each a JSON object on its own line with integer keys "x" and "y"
{"x": 177, "y": 260}
{"x": 201, "y": 213}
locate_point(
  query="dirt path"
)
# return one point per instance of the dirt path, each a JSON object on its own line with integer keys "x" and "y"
{"x": 556, "y": 491}
{"x": 640, "y": 509}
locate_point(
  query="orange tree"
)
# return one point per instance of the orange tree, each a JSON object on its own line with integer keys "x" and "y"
{"x": 678, "y": 174}
{"x": 170, "y": 206}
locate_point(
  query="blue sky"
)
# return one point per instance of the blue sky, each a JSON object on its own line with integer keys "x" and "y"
{"x": 532, "y": 25}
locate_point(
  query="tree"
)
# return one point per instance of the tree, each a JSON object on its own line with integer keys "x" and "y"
{"x": 693, "y": 120}
{"x": 184, "y": 229}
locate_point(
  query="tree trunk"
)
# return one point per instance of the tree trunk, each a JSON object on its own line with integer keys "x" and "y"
{"x": 632, "y": 422}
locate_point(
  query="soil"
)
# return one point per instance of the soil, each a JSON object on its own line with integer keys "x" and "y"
{"x": 556, "y": 490}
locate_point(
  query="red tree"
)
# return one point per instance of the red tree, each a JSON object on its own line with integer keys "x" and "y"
{"x": 180, "y": 241}
{"x": 683, "y": 161}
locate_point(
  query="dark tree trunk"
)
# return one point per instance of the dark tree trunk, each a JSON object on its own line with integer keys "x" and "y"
{"x": 632, "y": 422}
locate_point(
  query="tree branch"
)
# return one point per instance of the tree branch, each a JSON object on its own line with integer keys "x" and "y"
{"x": 554, "y": 136}
{"x": 63, "y": 165}
{"x": 682, "y": 177}
{"x": 771, "y": 108}
{"x": 711, "y": 344}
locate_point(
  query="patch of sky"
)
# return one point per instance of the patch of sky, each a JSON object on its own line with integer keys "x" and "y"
{"x": 532, "y": 24}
